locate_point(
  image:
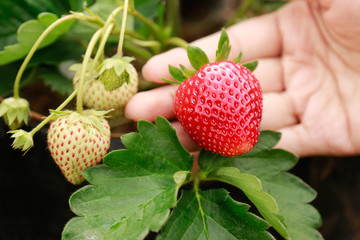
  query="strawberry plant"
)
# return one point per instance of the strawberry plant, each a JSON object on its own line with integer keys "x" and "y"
{"x": 238, "y": 187}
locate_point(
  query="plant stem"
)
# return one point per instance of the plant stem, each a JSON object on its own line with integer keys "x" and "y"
{"x": 152, "y": 26}
{"x": 33, "y": 49}
{"x": 137, "y": 50}
{"x": 89, "y": 50}
{"x": 197, "y": 179}
{"x": 178, "y": 42}
{"x": 172, "y": 16}
{"x": 101, "y": 46}
{"x": 59, "y": 108}
{"x": 110, "y": 19}
{"x": 122, "y": 30}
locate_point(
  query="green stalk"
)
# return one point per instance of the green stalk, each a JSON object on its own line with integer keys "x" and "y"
{"x": 137, "y": 50}
{"x": 110, "y": 19}
{"x": 34, "y": 48}
{"x": 172, "y": 16}
{"x": 89, "y": 50}
{"x": 122, "y": 30}
{"x": 102, "y": 45}
{"x": 152, "y": 26}
{"x": 198, "y": 197}
{"x": 59, "y": 108}
{"x": 178, "y": 42}
{"x": 112, "y": 15}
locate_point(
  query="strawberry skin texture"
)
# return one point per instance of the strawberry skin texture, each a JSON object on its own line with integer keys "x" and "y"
{"x": 220, "y": 107}
{"x": 95, "y": 95}
{"x": 76, "y": 146}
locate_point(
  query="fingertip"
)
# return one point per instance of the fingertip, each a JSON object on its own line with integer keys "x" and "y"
{"x": 158, "y": 66}
{"x": 184, "y": 138}
{"x": 147, "y": 105}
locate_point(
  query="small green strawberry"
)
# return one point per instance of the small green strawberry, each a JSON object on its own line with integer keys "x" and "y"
{"x": 77, "y": 142}
{"x": 115, "y": 71}
{"x": 15, "y": 112}
{"x": 220, "y": 104}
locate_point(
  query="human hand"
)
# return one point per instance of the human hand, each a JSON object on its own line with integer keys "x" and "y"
{"x": 309, "y": 69}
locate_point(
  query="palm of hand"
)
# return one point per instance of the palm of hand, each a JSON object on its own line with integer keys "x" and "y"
{"x": 321, "y": 81}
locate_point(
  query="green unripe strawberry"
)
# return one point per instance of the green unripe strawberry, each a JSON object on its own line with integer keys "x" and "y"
{"x": 15, "y": 112}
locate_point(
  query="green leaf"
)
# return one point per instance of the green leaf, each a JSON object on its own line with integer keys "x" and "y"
{"x": 290, "y": 193}
{"x": 170, "y": 81}
{"x": 252, "y": 188}
{"x": 82, "y": 30}
{"x": 251, "y": 65}
{"x": 177, "y": 74}
{"x": 238, "y": 58}
{"x": 212, "y": 214}
{"x": 267, "y": 140}
{"x": 58, "y": 52}
{"x": 15, "y": 12}
{"x": 197, "y": 57}
{"x": 29, "y": 32}
{"x": 132, "y": 193}
{"x": 223, "y": 50}
{"x": 52, "y": 77}
{"x": 187, "y": 72}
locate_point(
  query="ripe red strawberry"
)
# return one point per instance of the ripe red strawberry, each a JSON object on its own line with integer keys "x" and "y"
{"x": 220, "y": 104}
{"x": 77, "y": 142}
{"x": 221, "y": 107}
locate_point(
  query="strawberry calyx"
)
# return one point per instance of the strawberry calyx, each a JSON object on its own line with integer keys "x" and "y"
{"x": 15, "y": 112}
{"x": 198, "y": 59}
{"x": 114, "y": 72}
{"x": 22, "y": 140}
{"x": 89, "y": 117}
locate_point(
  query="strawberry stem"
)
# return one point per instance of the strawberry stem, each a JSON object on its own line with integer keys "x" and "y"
{"x": 172, "y": 16}
{"x": 100, "y": 50}
{"x": 89, "y": 50}
{"x": 109, "y": 20}
{"x": 51, "y": 27}
{"x": 178, "y": 42}
{"x": 59, "y": 108}
{"x": 122, "y": 30}
{"x": 33, "y": 49}
{"x": 152, "y": 26}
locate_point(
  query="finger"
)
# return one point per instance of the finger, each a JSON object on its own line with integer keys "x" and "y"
{"x": 277, "y": 111}
{"x": 184, "y": 138}
{"x": 303, "y": 142}
{"x": 269, "y": 73}
{"x": 256, "y": 38}
{"x": 147, "y": 105}
{"x": 294, "y": 139}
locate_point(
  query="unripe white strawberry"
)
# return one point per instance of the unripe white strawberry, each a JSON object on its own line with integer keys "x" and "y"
{"x": 77, "y": 142}
{"x": 96, "y": 96}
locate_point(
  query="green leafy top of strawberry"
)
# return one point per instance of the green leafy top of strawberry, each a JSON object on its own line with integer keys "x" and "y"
{"x": 22, "y": 140}
{"x": 198, "y": 59}
{"x": 114, "y": 72}
{"x": 15, "y": 111}
{"x": 88, "y": 117}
